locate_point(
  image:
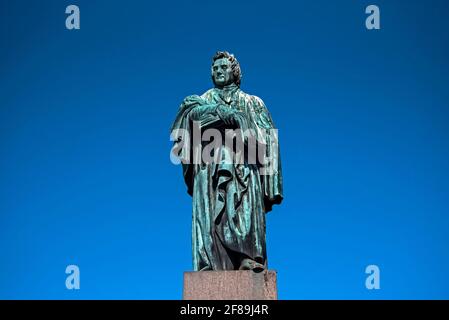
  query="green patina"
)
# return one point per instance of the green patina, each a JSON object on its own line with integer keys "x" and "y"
{"x": 230, "y": 200}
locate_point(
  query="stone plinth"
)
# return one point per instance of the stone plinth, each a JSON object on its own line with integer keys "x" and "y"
{"x": 230, "y": 285}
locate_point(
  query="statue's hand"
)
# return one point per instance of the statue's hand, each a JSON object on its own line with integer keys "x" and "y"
{"x": 196, "y": 113}
{"x": 226, "y": 114}
{"x": 200, "y": 111}
{"x": 194, "y": 99}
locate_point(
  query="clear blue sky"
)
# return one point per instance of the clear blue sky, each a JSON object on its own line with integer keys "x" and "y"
{"x": 85, "y": 173}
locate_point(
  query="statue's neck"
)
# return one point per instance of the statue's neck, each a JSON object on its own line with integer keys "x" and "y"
{"x": 226, "y": 93}
{"x": 229, "y": 87}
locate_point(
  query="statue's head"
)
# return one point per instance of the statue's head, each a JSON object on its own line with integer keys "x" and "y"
{"x": 225, "y": 69}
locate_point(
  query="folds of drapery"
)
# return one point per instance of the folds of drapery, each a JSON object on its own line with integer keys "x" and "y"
{"x": 254, "y": 116}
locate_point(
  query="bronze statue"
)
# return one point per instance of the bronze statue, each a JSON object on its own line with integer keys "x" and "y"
{"x": 233, "y": 191}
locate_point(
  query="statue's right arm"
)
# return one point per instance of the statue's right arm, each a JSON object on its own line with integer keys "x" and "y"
{"x": 200, "y": 108}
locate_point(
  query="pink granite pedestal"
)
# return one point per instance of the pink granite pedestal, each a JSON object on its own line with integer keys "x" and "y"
{"x": 230, "y": 285}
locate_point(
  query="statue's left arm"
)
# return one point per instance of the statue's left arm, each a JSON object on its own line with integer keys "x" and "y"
{"x": 271, "y": 171}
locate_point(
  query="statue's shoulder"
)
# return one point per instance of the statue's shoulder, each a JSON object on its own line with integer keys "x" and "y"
{"x": 258, "y": 102}
{"x": 254, "y": 101}
{"x": 208, "y": 94}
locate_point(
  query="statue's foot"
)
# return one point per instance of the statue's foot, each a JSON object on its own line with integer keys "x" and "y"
{"x": 249, "y": 264}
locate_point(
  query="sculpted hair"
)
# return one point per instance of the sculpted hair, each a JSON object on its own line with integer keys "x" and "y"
{"x": 235, "y": 66}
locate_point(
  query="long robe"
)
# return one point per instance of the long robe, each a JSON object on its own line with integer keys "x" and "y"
{"x": 230, "y": 199}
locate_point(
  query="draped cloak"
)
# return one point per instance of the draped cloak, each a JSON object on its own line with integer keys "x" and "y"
{"x": 229, "y": 199}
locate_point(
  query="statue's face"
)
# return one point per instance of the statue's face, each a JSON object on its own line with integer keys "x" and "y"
{"x": 222, "y": 72}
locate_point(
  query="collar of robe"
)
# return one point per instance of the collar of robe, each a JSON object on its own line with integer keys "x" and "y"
{"x": 226, "y": 93}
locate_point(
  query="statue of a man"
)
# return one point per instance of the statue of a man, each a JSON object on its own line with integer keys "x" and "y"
{"x": 230, "y": 198}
